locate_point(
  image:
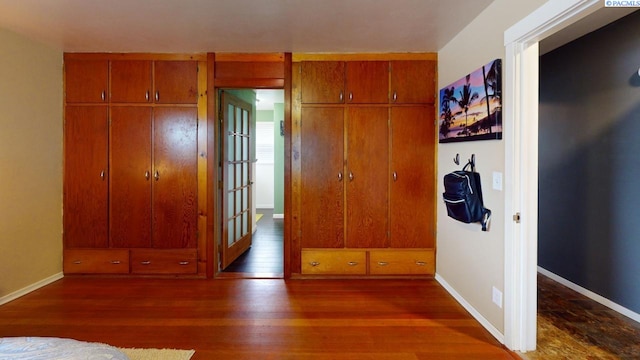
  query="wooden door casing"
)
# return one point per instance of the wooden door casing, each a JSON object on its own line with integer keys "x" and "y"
{"x": 85, "y": 176}
{"x": 322, "y": 178}
{"x": 86, "y": 81}
{"x": 367, "y": 183}
{"x": 175, "y": 183}
{"x": 412, "y": 197}
{"x": 131, "y": 177}
{"x": 367, "y": 82}
{"x": 131, "y": 81}
{"x": 413, "y": 81}
{"x": 175, "y": 82}
{"x": 322, "y": 82}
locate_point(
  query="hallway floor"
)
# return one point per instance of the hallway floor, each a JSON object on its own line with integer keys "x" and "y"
{"x": 572, "y": 326}
{"x": 264, "y": 259}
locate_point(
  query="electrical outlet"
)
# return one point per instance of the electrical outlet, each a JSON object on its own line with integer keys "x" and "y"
{"x": 497, "y": 297}
{"x": 497, "y": 181}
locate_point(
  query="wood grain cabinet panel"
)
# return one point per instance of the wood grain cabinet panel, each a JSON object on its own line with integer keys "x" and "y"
{"x": 176, "y": 82}
{"x": 367, "y": 82}
{"x": 413, "y": 81}
{"x": 86, "y": 81}
{"x": 322, "y": 82}
{"x": 413, "y": 188}
{"x": 92, "y": 261}
{"x": 322, "y": 178}
{"x": 334, "y": 262}
{"x": 131, "y": 176}
{"x": 175, "y": 183}
{"x": 131, "y": 81}
{"x": 86, "y": 175}
{"x": 401, "y": 262}
{"x": 174, "y": 261}
{"x": 367, "y": 177}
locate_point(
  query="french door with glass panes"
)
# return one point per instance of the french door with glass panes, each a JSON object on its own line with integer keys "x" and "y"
{"x": 236, "y": 178}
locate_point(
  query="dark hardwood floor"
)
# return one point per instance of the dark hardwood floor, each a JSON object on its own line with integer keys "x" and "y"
{"x": 258, "y": 318}
{"x": 572, "y": 326}
{"x": 264, "y": 259}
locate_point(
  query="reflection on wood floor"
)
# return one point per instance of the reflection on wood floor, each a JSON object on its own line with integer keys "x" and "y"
{"x": 572, "y": 326}
{"x": 264, "y": 259}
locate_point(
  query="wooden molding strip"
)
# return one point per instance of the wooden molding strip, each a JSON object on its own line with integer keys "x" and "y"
{"x": 134, "y": 56}
{"x": 297, "y": 57}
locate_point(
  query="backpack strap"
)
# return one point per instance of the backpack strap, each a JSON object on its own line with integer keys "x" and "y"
{"x": 486, "y": 218}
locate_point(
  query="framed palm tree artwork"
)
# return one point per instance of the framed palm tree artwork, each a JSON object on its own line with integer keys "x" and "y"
{"x": 471, "y": 108}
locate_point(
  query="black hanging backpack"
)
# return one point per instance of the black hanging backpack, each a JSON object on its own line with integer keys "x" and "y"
{"x": 463, "y": 196}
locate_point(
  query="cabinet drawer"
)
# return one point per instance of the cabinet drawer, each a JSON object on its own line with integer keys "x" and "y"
{"x": 98, "y": 261}
{"x": 401, "y": 262}
{"x": 334, "y": 262}
{"x": 180, "y": 261}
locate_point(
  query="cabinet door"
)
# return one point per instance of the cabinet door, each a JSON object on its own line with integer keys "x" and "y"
{"x": 130, "y": 181}
{"x": 322, "y": 183}
{"x": 367, "y": 177}
{"x": 367, "y": 82}
{"x": 131, "y": 81}
{"x": 85, "y": 176}
{"x": 413, "y": 175}
{"x": 175, "y": 173}
{"x": 86, "y": 81}
{"x": 413, "y": 81}
{"x": 322, "y": 82}
{"x": 176, "y": 82}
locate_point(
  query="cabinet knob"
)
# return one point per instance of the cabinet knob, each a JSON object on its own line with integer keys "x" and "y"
{"x": 395, "y": 96}
{"x": 157, "y": 175}
{"x": 157, "y": 95}
{"x": 115, "y": 262}
{"x": 350, "y": 96}
{"x": 77, "y": 262}
{"x": 147, "y": 175}
{"x": 102, "y": 95}
{"x": 395, "y": 176}
{"x": 314, "y": 263}
{"x": 351, "y": 176}
{"x": 183, "y": 263}
{"x": 147, "y": 262}
{"x": 146, "y": 95}
{"x": 341, "y": 96}
{"x": 340, "y": 176}
{"x": 352, "y": 263}
{"x": 383, "y": 263}
{"x": 102, "y": 175}
{"x": 421, "y": 263}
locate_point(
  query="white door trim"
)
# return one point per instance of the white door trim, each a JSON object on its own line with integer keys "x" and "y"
{"x": 521, "y": 161}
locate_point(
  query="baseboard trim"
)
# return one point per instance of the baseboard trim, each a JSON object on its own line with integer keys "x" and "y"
{"x": 278, "y": 216}
{"x": 481, "y": 319}
{"x": 35, "y": 286}
{"x": 591, "y": 295}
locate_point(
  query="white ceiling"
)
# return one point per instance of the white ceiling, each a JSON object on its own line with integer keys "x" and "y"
{"x": 187, "y": 26}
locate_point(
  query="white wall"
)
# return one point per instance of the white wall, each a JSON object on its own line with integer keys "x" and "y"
{"x": 30, "y": 163}
{"x": 470, "y": 261}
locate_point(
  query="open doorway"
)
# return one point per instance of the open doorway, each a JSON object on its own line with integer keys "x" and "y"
{"x": 262, "y": 256}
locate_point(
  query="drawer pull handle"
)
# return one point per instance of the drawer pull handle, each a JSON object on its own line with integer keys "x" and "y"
{"x": 115, "y": 262}
{"x": 421, "y": 263}
{"x": 383, "y": 263}
{"x": 145, "y": 262}
{"x": 352, "y": 263}
{"x": 314, "y": 263}
{"x": 183, "y": 263}
{"x": 77, "y": 262}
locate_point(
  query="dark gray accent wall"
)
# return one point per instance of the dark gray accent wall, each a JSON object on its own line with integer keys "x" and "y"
{"x": 589, "y": 162}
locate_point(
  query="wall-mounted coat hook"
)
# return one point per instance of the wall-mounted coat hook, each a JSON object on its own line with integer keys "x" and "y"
{"x": 472, "y": 161}
{"x": 456, "y": 159}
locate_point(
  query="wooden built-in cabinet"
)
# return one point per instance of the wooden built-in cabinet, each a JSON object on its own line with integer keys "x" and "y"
{"x": 131, "y": 165}
{"x": 364, "y": 131}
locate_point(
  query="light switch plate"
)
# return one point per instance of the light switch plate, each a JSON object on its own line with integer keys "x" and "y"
{"x": 496, "y": 296}
{"x": 497, "y": 181}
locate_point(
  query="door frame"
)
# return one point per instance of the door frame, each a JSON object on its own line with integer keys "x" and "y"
{"x": 230, "y": 71}
{"x": 521, "y": 162}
